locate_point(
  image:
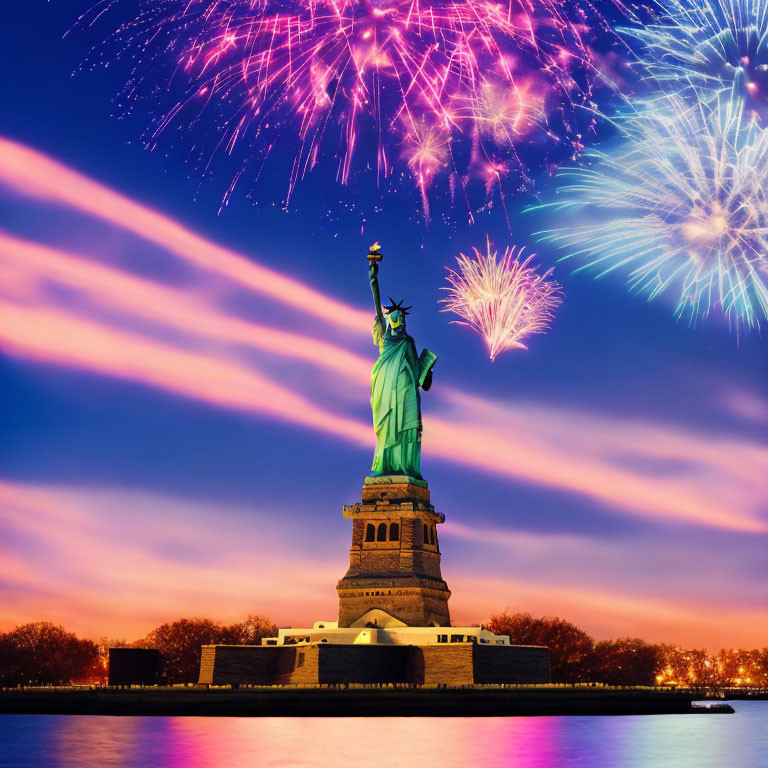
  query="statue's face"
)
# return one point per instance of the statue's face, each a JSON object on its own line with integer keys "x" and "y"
{"x": 395, "y": 318}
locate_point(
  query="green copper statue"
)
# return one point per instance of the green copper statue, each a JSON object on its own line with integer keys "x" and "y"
{"x": 397, "y": 376}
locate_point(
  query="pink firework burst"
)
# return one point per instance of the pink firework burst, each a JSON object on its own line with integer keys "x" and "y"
{"x": 351, "y": 77}
{"x": 504, "y": 299}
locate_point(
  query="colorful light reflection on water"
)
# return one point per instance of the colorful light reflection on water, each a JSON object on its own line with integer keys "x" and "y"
{"x": 666, "y": 741}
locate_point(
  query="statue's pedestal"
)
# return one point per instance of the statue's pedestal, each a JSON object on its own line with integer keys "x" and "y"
{"x": 393, "y": 615}
{"x": 394, "y": 576}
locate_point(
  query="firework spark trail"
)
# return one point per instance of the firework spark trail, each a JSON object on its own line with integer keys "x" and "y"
{"x": 711, "y": 48}
{"x": 505, "y": 300}
{"x": 681, "y": 204}
{"x": 405, "y": 68}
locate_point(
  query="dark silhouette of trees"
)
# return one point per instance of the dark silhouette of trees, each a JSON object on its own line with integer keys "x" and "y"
{"x": 569, "y": 646}
{"x": 180, "y": 642}
{"x": 626, "y": 661}
{"x": 42, "y": 653}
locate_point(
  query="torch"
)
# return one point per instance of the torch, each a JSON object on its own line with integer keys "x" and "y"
{"x": 374, "y": 254}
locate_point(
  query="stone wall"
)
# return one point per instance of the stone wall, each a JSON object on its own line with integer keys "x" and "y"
{"x": 416, "y": 601}
{"x": 468, "y": 663}
{"x": 450, "y": 664}
{"x": 300, "y": 666}
{"x": 364, "y": 663}
{"x": 510, "y": 664}
{"x": 242, "y": 664}
{"x": 442, "y": 664}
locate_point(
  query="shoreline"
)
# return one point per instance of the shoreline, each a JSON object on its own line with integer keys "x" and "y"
{"x": 469, "y": 701}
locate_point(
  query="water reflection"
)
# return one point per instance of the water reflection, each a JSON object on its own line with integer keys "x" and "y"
{"x": 669, "y": 741}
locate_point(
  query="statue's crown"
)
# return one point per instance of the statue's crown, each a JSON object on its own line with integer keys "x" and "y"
{"x": 397, "y": 305}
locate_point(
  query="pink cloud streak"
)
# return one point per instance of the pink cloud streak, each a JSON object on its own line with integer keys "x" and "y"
{"x": 32, "y": 264}
{"x": 33, "y": 174}
{"x": 577, "y": 452}
{"x": 54, "y": 336}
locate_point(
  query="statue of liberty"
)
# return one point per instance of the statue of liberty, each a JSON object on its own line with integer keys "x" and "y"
{"x": 396, "y": 379}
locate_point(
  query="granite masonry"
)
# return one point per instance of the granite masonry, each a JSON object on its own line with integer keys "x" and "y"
{"x": 463, "y": 663}
{"x": 394, "y": 561}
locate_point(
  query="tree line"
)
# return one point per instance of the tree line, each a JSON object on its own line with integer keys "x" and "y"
{"x": 42, "y": 653}
{"x": 575, "y": 657}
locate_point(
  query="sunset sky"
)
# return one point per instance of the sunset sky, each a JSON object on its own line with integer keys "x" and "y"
{"x": 185, "y": 396}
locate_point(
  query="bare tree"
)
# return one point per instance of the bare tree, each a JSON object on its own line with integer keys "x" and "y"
{"x": 569, "y": 646}
{"x": 180, "y": 642}
{"x": 42, "y": 653}
{"x": 626, "y": 661}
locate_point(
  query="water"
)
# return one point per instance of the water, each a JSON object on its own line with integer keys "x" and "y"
{"x": 657, "y": 741}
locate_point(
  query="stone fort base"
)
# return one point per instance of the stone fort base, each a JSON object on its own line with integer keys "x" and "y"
{"x": 327, "y": 664}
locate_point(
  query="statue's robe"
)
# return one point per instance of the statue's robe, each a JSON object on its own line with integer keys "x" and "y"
{"x": 396, "y": 402}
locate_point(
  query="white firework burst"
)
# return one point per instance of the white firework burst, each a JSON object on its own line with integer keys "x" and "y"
{"x": 681, "y": 206}
{"x": 504, "y": 299}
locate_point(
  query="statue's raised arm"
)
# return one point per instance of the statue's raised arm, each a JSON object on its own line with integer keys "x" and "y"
{"x": 397, "y": 377}
{"x": 374, "y": 257}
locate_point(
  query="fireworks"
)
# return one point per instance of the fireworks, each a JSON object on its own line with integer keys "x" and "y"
{"x": 505, "y": 113}
{"x": 427, "y": 152}
{"x": 711, "y": 46}
{"x": 504, "y": 299}
{"x": 682, "y": 205}
{"x": 334, "y": 73}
